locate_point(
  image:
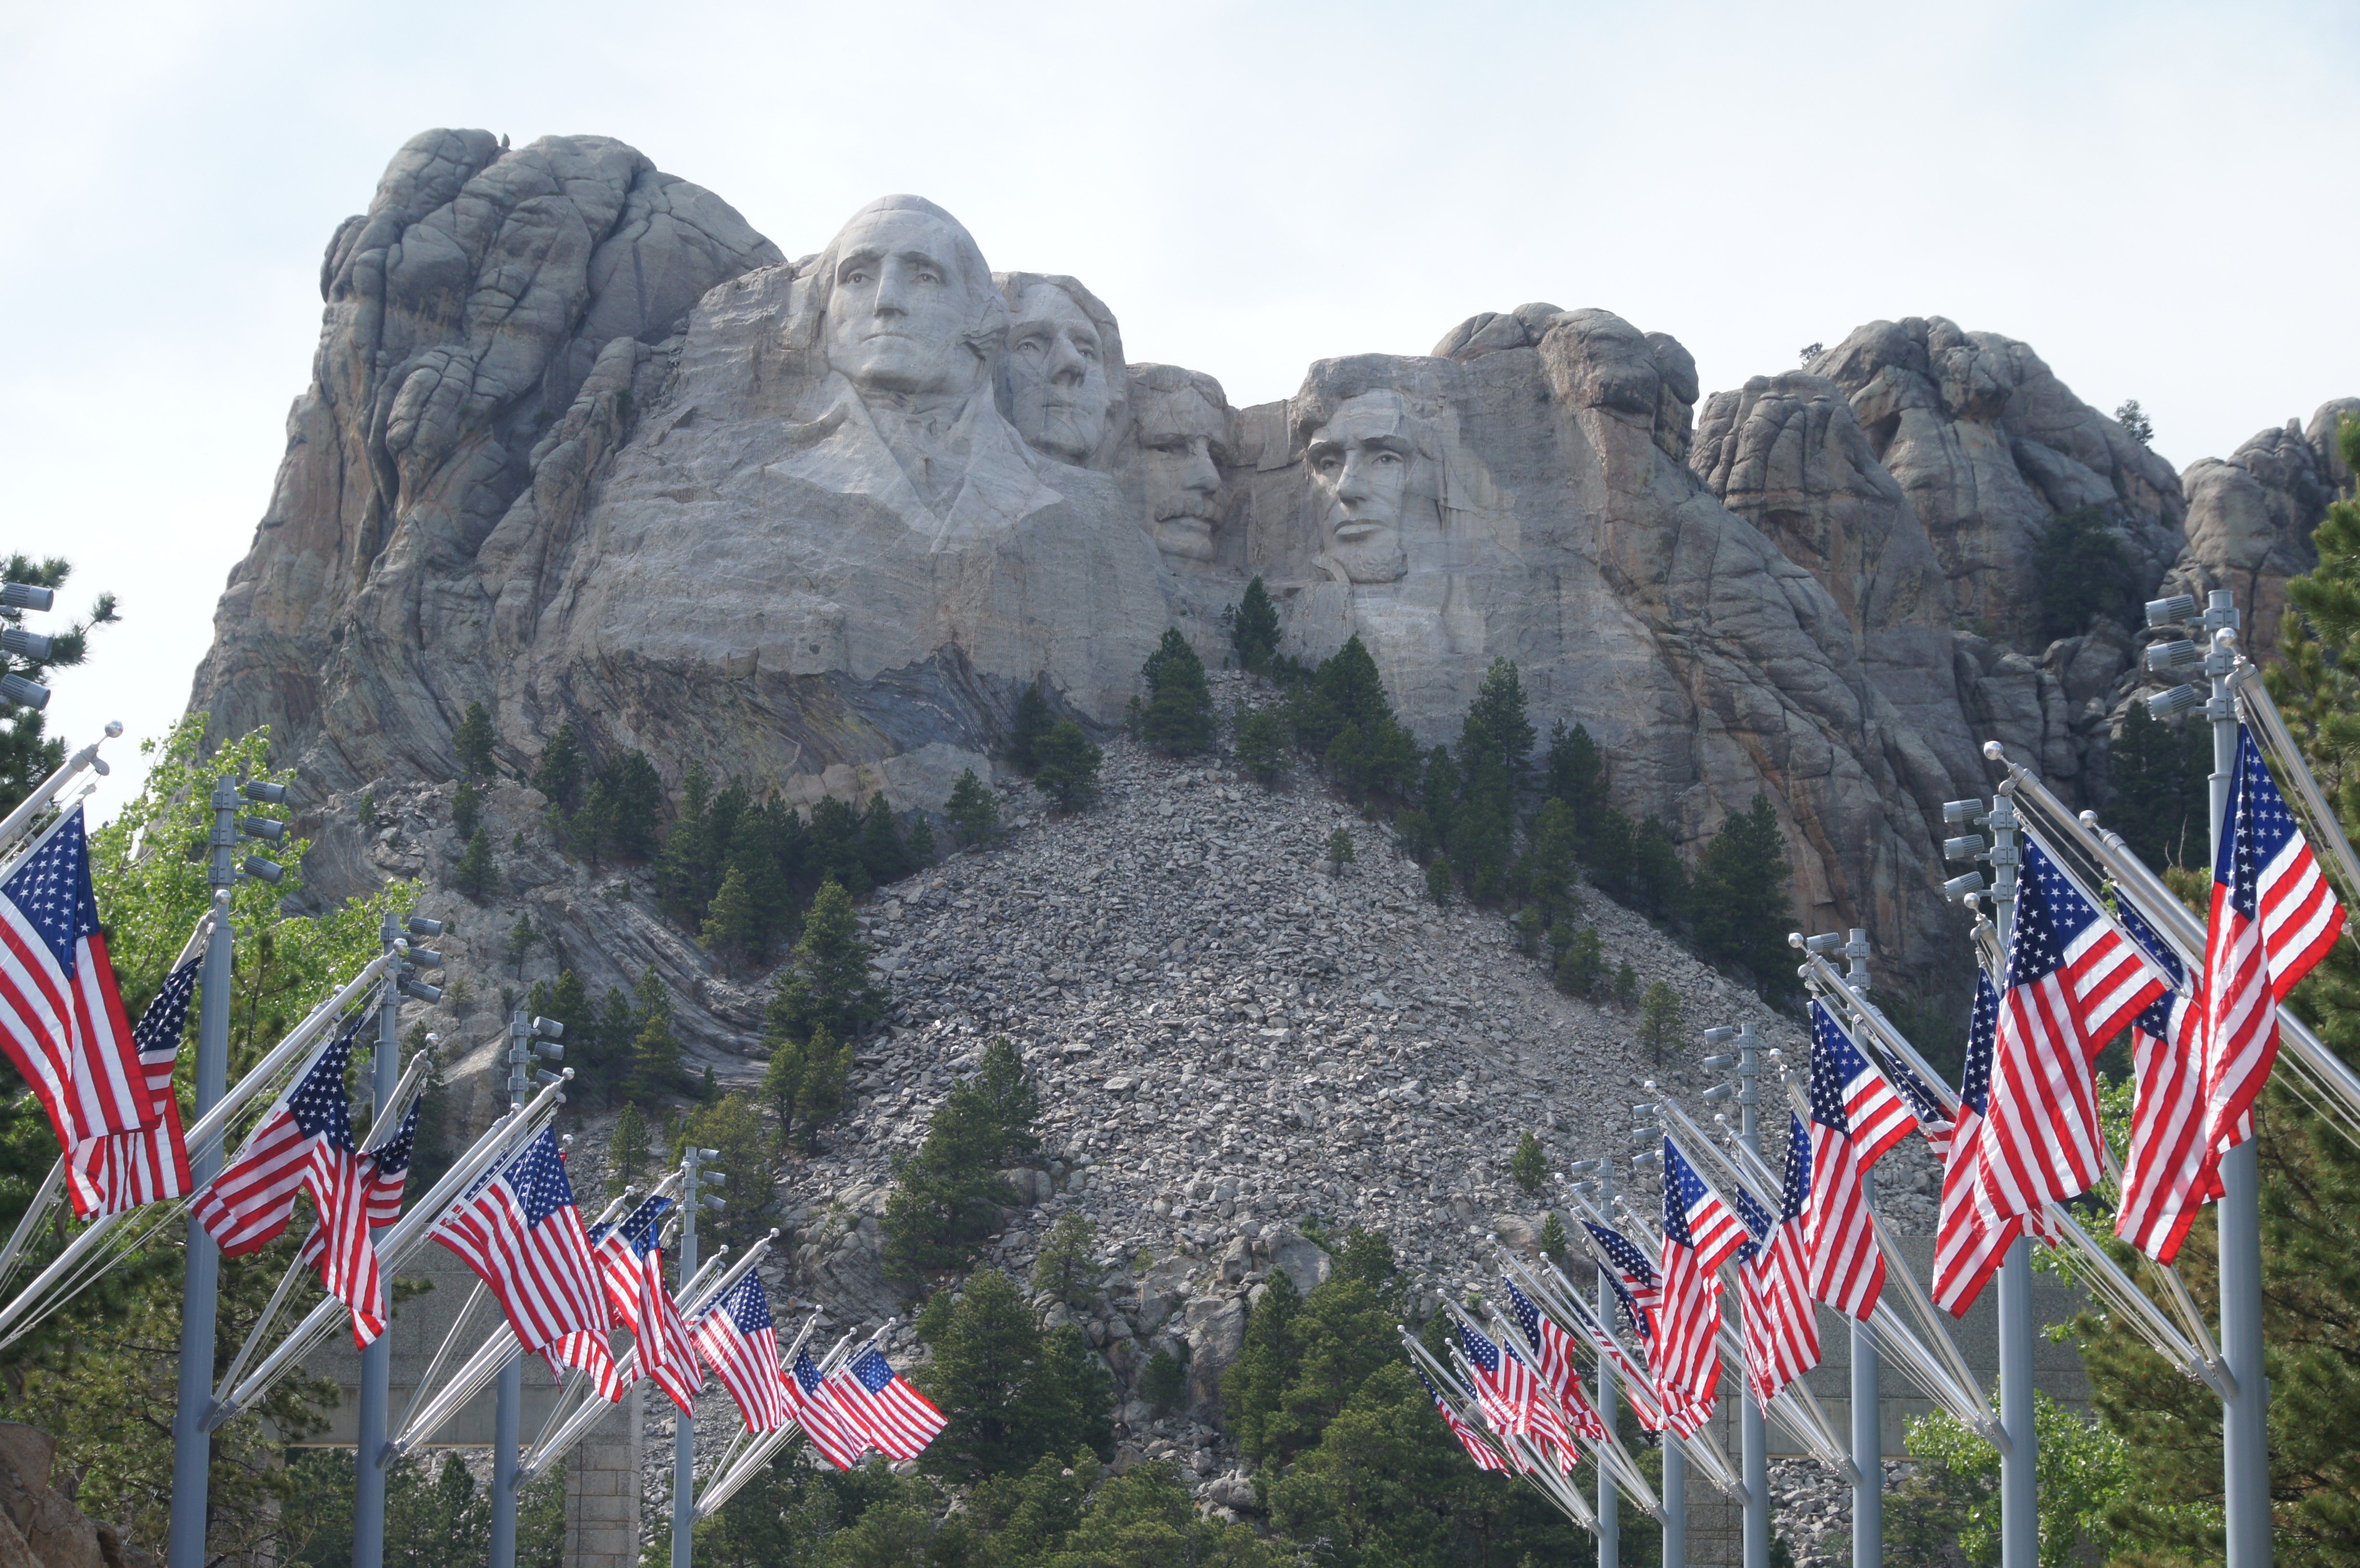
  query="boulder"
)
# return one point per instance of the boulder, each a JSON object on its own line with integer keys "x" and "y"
{"x": 1304, "y": 1262}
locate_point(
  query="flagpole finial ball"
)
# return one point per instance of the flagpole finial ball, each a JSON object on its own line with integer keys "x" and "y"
{"x": 1994, "y": 752}
{"x": 221, "y": 898}
{"x": 113, "y": 728}
{"x": 1794, "y": 939}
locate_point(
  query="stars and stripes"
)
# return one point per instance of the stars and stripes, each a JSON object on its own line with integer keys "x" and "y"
{"x": 2273, "y": 918}
{"x": 384, "y": 1170}
{"x": 1510, "y": 1395}
{"x": 1713, "y": 1227}
{"x": 2169, "y": 1171}
{"x": 1553, "y": 1359}
{"x": 61, "y": 1018}
{"x": 1687, "y": 1354}
{"x": 306, "y": 1137}
{"x": 1855, "y": 1116}
{"x": 1634, "y": 1279}
{"x": 2073, "y": 982}
{"x": 1477, "y": 1448}
{"x": 630, "y": 1266}
{"x": 737, "y": 1340}
{"x": 150, "y": 1165}
{"x": 519, "y": 1230}
{"x": 1782, "y": 1329}
{"x": 807, "y": 1401}
{"x": 883, "y": 1407}
{"x": 1968, "y": 1242}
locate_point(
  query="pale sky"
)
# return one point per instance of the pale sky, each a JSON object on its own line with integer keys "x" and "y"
{"x": 2153, "y": 196}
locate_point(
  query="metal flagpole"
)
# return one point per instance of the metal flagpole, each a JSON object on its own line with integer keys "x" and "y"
{"x": 192, "y": 1445}
{"x": 2019, "y": 1529}
{"x": 1753, "y": 1446}
{"x": 508, "y": 1414}
{"x": 1867, "y": 1390}
{"x": 684, "y": 1438}
{"x": 2245, "y": 1414}
{"x": 1675, "y": 1494}
{"x": 1609, "y": 1507}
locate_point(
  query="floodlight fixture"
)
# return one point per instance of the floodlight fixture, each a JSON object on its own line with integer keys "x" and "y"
{"x": 2174, "y": 702}
{"x": 264, "y": 791}
{"x": 419, "y": 925}
{"x": 2173, "y": 611}
{"x": 22, "y": 644}
{"x": 262, "y": 827}
{"x": 24, "y": 693}
{"x": 26, "y": 596}
{"x": 1962, "y": 887}
{"x": 2177, "y": 654}
{"x": 1969, "y": 847}
{"x": 263, "y": 870}
{"x": 1961, "y": 811}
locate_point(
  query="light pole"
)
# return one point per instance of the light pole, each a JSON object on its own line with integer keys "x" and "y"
{"x": 201, "y": 1287}
{"x": 1753, "y": 1437}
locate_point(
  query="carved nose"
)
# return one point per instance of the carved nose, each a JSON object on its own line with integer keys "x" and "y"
{"x": 1202, "y": 476}
{"x": 1352, "y": 486}
{"x": 889, "y": 296}
{"x": 1066, "y": 368}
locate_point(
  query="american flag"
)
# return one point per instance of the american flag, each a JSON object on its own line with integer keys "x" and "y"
{"x": 381, "y": 1174}
{"x": 1782, "y": 1329}
{"x": 61, "y": 1019}
{"x": 306, "y": 1136}
{"x": 1510, "y": 1396}
{"x": 1847, "y": 1264}
{"x": 1713, "y": 1227}
{"x": 1552, "y": 1350}
{"x": 1635, "y": 1290}
{"x": 1477, "y": 1448}
{"x": 881, "y": 1406}
{"x": 1969, "y": 1244}
{"x": 2170, "y": 1171}
{"x": 124, "y": 1169}
{"x": 1687, "y": 1356}
{"x": 630, "y": 1263}
{"x": 519, "y": 1230}
{"x": 806, "y": 1393}
{"x": 2073, "y": 982}
{"x": 2273, "y": 918}
{"x": 736, "y": 1337}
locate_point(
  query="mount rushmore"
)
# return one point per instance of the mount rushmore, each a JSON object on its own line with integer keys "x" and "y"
{"x": 581, "y": 445}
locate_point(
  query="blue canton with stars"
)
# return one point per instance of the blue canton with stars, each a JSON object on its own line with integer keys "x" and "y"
{"x": 1630, "y": 1261}
{"x": 537, "y": 1179}
{"x": 158, "y": 1032}
{"x": 1683, "y": 1190}
{"x": 1983, "y": 1045}
{"x": 873, "y": 1370}
{"x": 807, "y": 1376}
{"x": 52, "y": 889}
{"x": 1480, "y": 1352}
{"x": 1923, "y": 1103}
{"x": 2050, "y": 916}
{"x": 1527, "y": 1316}
{"x": 2264, "y": 827}
{"x": 318, "y": 1104}
{"x": 1835, "y": 1063}
{"x": 392, "y": 1157}
{"x": 1795, "y": 1191}
{"x": 747, "y": 1306}
{"x": 1757, "y": 1224}
{"x": 638, "y": 1229}
{"x": 2156, "y": 1019}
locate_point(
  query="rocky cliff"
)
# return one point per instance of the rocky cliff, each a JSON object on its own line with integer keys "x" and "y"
{"x": 582, "y": 446}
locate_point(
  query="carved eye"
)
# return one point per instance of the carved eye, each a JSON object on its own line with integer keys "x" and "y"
{"x": 1389, "y": 459}
{"x": 1032, "y": 347}
{"x": 1329, "y": 464}
{"x": 857, "y": 275}
{"x": 928, "y": 275}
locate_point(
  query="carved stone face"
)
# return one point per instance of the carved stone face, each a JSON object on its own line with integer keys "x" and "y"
{"x": 899, "y": 307}
{"x": 1057, "y": 375}
{"x": 1180, "y": 441}
{"x": 1360, "y": 463}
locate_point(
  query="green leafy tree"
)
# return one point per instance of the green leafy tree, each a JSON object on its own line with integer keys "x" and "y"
{"x": 1262, "y": 743}
{"x": 1529, "y": 1165}
{"x": 559, "y": 774}
{"x": 2081, "y": 1471}
{"x": 475, "y": 876}
{"x": 1659, "y": 1020}
{"x": 1067, "y": 770}
{"x": 2082, "y": 573}
{"x": 1740, "y": 899}
{"x": 973, "y": 810}
{"x": 1011, "y": 1393}
{"x": 1254, "y": 628}
{"x": 733, "y": 1125}
{"x": 473, "y": 742}
{"x": 827, "y": 981}
{"x": 1179, "y": 714}
{"x": 626, "y": 1147}
{"x": 1031, "y": 726}
{"x": 1064, "y": 1270}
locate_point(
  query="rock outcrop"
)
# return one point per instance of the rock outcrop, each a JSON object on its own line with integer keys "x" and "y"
{"x": 2250, "y": 516}
{"x": 40, "y": 1526}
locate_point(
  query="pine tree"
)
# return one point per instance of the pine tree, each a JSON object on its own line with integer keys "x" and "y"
{"x": 473, "y": 743}
{"x": 521, "y": 938}
{"x": 1068, "y": 766}
{"x": 827, "y": 982}
{"x": 1611, "y": 853}
{"x": 973, "y": 810}
{"x": 1659, "y": 1020}
{"x": 1062, "y": 1270}
{"x": 1260, "y": 741}
{"x": 637, "y": 795}
{"x": 1346, "y": 760}
{"x": 1179, "y": 714}
{"x": 1438, "y": 879}
{"x": 920, "y": 848}
{"x": 1440, "y": 797}
{"x": 1010, "y": 1393}
{"x": 2158, "y": 772}
{"x": 681, "y": 868}
{"x": 1340, "y": 850}
{"x": 1254, "y": 628}
{"x": 1349, "y": 682}
{"x": 881, "y": 853}
{"x": 591, "y": 831}
{"x": 1529, "y": 1166}
{"x": 1553, "y": 1238}
{"x": 1658, "y": 883}
{"x": 1496, "y": 738}
{"x": 558, "y": 775}
{"x": 730, "y": 928}
{"x": 1392, "y": 759}
{"x": 467, "y": 807}
{"x": 1740, "y": 897}
{"x": 1551, "y": 870}
{"x": 1576, "y": 774}
{"x": 1583, "y": 964}
{"x": 947, "y": 1195}
{"x": 837, "y": 833}
{"x": 653, "y": 1068}
{"x": 1031, "y": 726}
{"x": 475, "y": 876}
{"x": 627, "y": 1148}
{"x": 1626, "y": 985}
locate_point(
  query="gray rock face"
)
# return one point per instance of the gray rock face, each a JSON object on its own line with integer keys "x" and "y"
{"x": 2250, "y": 516}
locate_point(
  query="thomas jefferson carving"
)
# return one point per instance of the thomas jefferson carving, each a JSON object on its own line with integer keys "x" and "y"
{"x": 1062, "y": 377}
